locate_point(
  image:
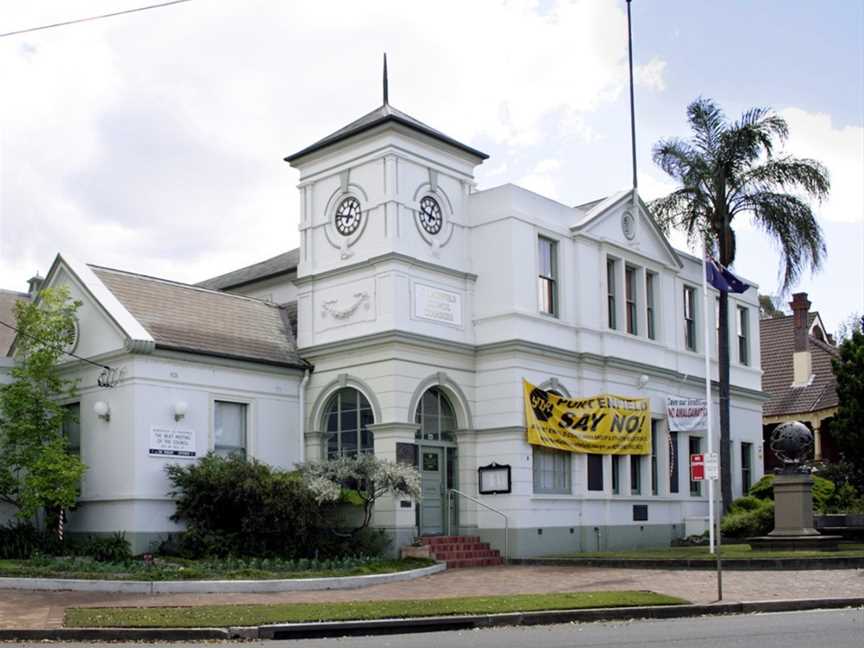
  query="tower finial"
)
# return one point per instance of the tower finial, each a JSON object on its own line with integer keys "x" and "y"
{"x": 386, "y": 93}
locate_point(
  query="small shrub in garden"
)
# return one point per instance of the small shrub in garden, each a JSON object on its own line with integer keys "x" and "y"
{"x": 21, "y": 540}
{"x": 748, "y": 517}
{"x": 111, "y": 549}
{"x": 238, "y": 507}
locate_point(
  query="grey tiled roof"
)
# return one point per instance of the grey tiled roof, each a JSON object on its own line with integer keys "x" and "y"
{"x": 777, "y": 340}
{"x": 7, "y": 314}
{"x": 381, "y": 115}
{"x": 189, "y": 318}
{"x": 277, "y": 265}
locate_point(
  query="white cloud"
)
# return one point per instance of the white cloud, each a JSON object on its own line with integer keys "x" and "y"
{"x": 841, "y": 150}
{"x": 154, "y": 141}
{"x": 542, "y": 178}
{"x": 651, "y": 75}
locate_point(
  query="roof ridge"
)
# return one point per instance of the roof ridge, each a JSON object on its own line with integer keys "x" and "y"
{"x": 184, "y": 285}
{"x": 251, "y": 265}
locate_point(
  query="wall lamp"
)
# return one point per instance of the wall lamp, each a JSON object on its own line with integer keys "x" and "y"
{"x": 180, "y": 409}
{"x": 102, "y": 409}
{"x": 643, "y": 380}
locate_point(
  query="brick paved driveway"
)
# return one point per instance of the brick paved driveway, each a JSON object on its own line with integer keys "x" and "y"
{"x": 21, "y": 609}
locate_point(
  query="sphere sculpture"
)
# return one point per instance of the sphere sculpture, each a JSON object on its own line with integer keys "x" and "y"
{"x": 791, "y": 443}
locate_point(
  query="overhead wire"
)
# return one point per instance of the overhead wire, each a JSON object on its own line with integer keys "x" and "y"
{"x": 90, "y": 18}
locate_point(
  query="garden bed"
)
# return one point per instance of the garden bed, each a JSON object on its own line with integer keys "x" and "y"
{"x": 176, "y": 569}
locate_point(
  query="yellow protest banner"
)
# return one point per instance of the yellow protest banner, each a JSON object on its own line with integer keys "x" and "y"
{"x": 603, "y": 424}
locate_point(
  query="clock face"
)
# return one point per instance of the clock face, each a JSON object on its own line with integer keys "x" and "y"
{"x": 430, "y": 215}
{"x": 347, "y": 216}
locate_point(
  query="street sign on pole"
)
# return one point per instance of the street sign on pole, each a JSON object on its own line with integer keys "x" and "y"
{"x": 712, "y": 465}
{"x": 697, "y": 467}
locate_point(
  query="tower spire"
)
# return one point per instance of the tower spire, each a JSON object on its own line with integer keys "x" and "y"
{"x": 386, "y": 92}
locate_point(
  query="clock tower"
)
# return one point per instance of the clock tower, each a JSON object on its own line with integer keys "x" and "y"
{"x": 383, "y": 206}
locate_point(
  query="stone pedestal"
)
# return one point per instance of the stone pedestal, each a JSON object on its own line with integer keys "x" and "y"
{"x": 395, "y": 515}
{"x": 793, "y": 518}
{"x": 793, "y": 505}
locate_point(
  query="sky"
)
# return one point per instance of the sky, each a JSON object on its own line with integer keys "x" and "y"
{"x": 153, "y": 141}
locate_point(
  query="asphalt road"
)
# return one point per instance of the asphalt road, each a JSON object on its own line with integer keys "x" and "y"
{"x": 817, "y": 628}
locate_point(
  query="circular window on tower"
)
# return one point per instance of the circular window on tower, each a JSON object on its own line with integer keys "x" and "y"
{"x": 430, "y": 215}
{"x": 347, "y": 216}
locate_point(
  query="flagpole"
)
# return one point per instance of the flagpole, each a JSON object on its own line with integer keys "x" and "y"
{"x": 709, "y": 413}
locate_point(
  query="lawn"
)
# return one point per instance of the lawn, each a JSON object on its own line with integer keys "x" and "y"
{"x": 246, "y": 615}
{"x": 730, "y": 551}
{"x": 181, "y": 569}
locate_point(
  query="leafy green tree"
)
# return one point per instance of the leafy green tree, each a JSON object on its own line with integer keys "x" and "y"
{"x": 847, "y": 428}
{"x": 36, "y": 469}
{"x": 728, "y": 170}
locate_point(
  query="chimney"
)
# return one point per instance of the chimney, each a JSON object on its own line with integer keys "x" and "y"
{"x": 35, "y": 283}
{"x": 801, "y": 360}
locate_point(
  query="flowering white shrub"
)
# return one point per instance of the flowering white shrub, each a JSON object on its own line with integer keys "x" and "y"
{"x": 360, "y": 480}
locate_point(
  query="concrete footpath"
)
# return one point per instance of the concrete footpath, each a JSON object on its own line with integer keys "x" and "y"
{"x": 36, "y": 611}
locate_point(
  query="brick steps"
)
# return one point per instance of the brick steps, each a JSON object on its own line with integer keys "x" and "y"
{"x": 462, "y": 551}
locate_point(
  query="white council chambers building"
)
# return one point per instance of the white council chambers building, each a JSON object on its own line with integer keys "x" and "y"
{"x": 404, "y": 325}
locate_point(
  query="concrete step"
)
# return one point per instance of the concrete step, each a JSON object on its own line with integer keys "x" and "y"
{"x": 459, "y": 555}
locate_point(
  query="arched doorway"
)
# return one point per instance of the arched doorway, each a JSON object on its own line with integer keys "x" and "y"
{"x": 436, "y": 457}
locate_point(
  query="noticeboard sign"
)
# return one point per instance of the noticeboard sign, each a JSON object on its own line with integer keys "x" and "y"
{"x": 171, "y": 443}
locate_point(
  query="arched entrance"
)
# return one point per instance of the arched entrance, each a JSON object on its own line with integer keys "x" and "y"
{"x": 436, "y": 458}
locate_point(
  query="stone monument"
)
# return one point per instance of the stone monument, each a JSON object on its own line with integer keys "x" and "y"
{"x": 793, "y": 498}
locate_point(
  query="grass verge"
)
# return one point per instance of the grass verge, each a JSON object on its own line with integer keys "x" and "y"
{"x": 727, "y": 552}
{"x": 251, "y": 615}
{"x": 179, "y": 569}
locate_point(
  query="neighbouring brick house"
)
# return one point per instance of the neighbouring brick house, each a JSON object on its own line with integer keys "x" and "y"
{"x": 798, "y": 376}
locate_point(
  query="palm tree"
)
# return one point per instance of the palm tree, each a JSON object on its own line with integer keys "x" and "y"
{"x": 729, "y": 169}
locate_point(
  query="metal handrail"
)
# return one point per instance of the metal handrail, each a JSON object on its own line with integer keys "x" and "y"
{"x": 452, "y": 491}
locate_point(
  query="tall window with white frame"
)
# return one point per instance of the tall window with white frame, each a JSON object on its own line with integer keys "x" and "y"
{"x": 346, "y": 420}
{"x": 630, "y": 295}
{"x": 743, "y": 336}
{"x": 595, "y": 471}
{"x": 547, "y": 281}
{"x": 650, "y": 283}
{"x": 689, "y": 318}
{"x": 610, "y": 292}
{"x": 616, "y": 474}
{"x": 229, "y": 429}
{"x": 72, "y": 428}
{"x": 673, "y": 462}
{"x": 655, "y": 483}
{"x": 635, "y": 474}
{"x": 746, "y": 466}
{"x": 551, "y": 471}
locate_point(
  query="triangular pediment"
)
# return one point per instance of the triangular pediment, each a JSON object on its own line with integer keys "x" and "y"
{"x": 625, "y": 223}
{"x": 104, "y": 324}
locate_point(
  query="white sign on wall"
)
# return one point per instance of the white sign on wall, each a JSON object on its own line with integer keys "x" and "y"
{"x": 437, "y": 304}
{"x": 170, "y": 442}
{"x": 686, "y": 414}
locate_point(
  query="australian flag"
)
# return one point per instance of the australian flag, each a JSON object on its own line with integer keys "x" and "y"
{"x": 722, "y": 278}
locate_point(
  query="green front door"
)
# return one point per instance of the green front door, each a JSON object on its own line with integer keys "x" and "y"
{"x": 432, "y": 471}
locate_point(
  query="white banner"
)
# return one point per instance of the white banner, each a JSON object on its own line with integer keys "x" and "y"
{"x": 686, "y": 414}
